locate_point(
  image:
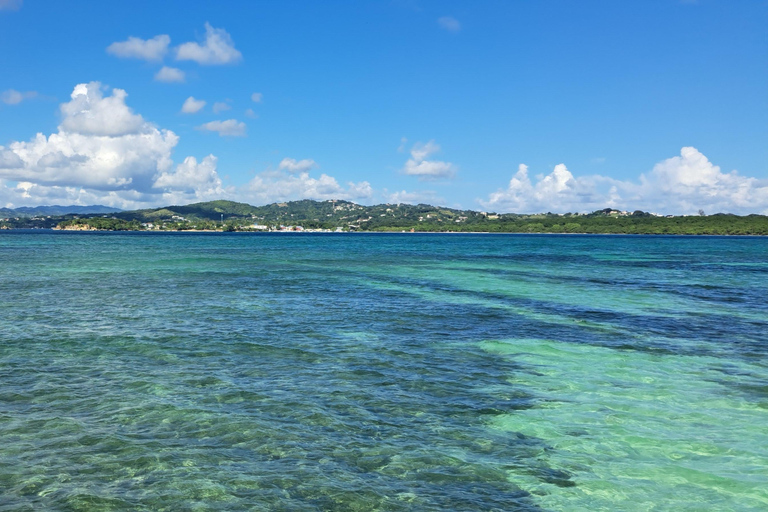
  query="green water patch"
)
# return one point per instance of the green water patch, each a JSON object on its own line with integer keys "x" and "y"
{"x": 637, "y": 431}
{"x": 345, "y": 373}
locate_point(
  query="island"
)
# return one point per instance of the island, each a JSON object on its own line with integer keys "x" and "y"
{"x": 345, "y": 216}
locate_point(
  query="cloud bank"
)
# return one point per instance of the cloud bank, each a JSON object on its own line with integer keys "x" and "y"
{"x": 103, "y": 152}
{"x": 679, "y": 185}
{"x": 282, "y": 185}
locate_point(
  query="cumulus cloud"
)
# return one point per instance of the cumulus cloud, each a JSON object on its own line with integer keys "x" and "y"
{"x": 291, "y": 181}
{"x": 250, "y": 113}
{"x": 31, "y": 194}
{"x": 690, "y": 181}
{"x": 105, "y": 153}
{"x": 448, "y": 23}
{"x": 14, "y": 97}
{"x": 678, "y": 185}
{"x": 217, "y": 49}
{"x": 145, "y": 49}
{"x": 192, "y": 106}
{"x": 10, "y": 5}
{"x": 100, "y": 144}
{"x": 192, "y": 181}
{"x": 256, "y": 97}
{"x": 170, "y": 75}
{"x": 220, "y": 106}
{"x": 417, "y": 197}
{"x": 418, "y": 165}
{"x": 9, "y": 159}
{"x": 228, "y": 128}
{"x": 294, "y": 166}
{"x": 90, "y": 113}
{"x": 102, "y": 153}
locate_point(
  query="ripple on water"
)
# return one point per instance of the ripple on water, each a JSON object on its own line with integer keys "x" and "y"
{"x": 632, "y": 426}
{"x": 146, "y": 372}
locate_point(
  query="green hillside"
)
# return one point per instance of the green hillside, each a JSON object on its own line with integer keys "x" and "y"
{"x": 347, "y": 216}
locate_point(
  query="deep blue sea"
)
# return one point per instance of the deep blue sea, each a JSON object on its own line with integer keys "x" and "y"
{"x": 393, "y": 372}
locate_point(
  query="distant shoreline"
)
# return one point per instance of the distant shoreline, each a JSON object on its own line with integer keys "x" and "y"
{"x": 181, "y": 231}
{"x": 345, "y": 216}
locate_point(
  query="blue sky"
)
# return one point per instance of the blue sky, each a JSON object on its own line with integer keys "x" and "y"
{"x": 523, "y": 106}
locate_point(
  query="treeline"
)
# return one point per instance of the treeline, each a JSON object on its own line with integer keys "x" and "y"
{"x": 720, "y": 224}
{"x": 330, "y": 215}
{"x": 102, "y": 223}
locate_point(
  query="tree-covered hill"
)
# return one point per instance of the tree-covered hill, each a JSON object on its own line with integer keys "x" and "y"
{"x": 348, "y": 216}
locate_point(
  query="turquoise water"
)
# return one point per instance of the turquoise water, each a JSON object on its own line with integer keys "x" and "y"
{"x": 147, "y": 371}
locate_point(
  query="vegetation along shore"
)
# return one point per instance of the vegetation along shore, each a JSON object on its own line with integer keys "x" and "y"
{"x": 337, "y": 215}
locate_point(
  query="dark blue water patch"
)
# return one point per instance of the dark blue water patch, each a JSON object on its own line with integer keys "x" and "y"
{"x": 731, "y": 333}
{"x": 745, "y": 296}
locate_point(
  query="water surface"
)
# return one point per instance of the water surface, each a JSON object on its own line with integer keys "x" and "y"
{"x": 145, "y": 371}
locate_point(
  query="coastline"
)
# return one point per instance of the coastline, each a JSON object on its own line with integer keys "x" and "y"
{"x": 306, "y": 232}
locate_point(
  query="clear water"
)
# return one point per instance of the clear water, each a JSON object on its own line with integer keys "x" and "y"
{"x": 382, "y": 372}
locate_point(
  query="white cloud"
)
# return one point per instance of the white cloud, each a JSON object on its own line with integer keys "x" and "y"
{"x": 272, "y": 186}
{"x": 418, "y": 165}
{"x": 427, "y": 170}
{"x": 14, "y": 97}
{"x": 678, "y": 185}
{"x": 190, "y": 173}
{"x": 220, "y": 106}
{"x": 10, "y": 5}
{"x": 293, "y": 166}
{"x": 102, "y": 153}
{"x": 448, "y": 23}
{"x": 90, "y": 113}
{"x": 256, "y": 97}
{"x": 250, "y": 113}
{"x": 690, "y": 181}
{"x": 550, "y": 193}
{"x": 9, "y": 159}
{"x": 192, "y": 106}
{"x": 421, "y": 151}
{"x": 100, "y": 144}
{"x": 218, "y": 48}
{"x": 192, "y": 180}
{"x": 170, "y": 75}
{"x": 31, "y": 194}
{"x": 228, "y": 128}
{"x": 145, "y": 49}
{"x": 417, "y": 197}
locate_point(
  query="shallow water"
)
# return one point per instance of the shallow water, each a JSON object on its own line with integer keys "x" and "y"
{"x": 382, "y": 372}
